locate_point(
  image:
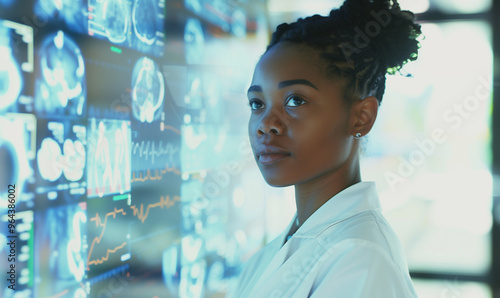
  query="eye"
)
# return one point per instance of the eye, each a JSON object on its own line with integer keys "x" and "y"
{"x": 255, "y": 104}
{"x": 294, "y": 101}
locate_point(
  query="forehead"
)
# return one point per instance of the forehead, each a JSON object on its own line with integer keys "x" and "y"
{"x": 287, "y": 61}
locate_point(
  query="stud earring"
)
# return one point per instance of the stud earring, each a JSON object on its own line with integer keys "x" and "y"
{"x": 357, "y": 136}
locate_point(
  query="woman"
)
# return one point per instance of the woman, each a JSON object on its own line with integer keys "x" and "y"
{"x": 315, "y": 92}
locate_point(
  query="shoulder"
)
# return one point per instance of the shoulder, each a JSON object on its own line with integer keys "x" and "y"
{"x": 369, "y": 227}
{"x": 361, "y": 268}
{"x": 363, "y": 255}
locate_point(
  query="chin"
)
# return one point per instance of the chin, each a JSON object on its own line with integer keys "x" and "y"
{"x": 276, "y": 182}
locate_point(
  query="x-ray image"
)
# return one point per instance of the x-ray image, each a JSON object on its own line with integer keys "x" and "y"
{"x": 73, "y": 13}
{"x": 137, "y": 24}
{"x": 53, "y": 162}
{"x": 16, "y": 52}
{"x": 109, "y": 18}
{"x": 143, "y": 12}
{"x": 148, "y": 90}
{"x": 17, "y": 147}
{"x": 61, "y": 160}
{"x": 61, "y": 264}
{"x": 61, "y": 86}
{"x": 11, "y": 80}
{"x": 222, "y": 13}
{"x": 109, "y": 161}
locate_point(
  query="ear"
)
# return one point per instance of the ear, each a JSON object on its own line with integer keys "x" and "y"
{"x": 363, "y": 115}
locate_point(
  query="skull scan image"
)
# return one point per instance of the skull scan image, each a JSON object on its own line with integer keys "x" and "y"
{"x": 61, "y": 87}
{"x": 109, "y": 19}
{"x": 144, "y": 16}
{"x": 11, "y": 80}
{"x": 148, "y": 90}
{"x": 115, "y": 17}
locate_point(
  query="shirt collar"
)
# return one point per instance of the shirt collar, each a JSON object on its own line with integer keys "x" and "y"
{"x": 356, "y": 198}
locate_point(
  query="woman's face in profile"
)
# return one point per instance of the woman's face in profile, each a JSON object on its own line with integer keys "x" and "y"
{"x": 299, "y": 128}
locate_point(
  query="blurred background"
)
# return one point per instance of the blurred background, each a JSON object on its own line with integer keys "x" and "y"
{"x": 123, "y": 130}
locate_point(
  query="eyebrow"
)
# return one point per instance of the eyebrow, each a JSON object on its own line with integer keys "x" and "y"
{"x": 296, "y": 82}
{"x": 281, "y": 85}
{"x": 255, "y": 88}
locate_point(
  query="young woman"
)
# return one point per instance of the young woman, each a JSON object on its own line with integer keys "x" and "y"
{"x": 315, "y": 92}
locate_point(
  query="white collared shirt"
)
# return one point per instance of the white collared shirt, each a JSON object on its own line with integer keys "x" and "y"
{"x": 345, "y": 249}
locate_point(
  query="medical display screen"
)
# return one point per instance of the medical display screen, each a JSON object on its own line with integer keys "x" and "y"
{"x": 122, "y": 143}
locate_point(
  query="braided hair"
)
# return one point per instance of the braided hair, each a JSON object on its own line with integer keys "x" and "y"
{"x": 360, "y": 42}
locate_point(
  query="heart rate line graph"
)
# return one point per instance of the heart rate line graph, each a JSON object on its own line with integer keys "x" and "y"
{"x": 141, "y": 212}
{"x": 158, "y": 174}
{"x": 151, "y": 151}
{"x": 164, "y": 202}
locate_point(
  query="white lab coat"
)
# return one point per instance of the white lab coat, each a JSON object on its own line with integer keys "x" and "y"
{"x": 345, "y": 249}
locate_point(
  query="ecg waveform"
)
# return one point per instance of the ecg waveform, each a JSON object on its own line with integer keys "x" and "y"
{"x": 141, "y": 213}
{"x": 150, "y": 150}
{"x": 158, "y": 174}
{"x": 164, "y": 202}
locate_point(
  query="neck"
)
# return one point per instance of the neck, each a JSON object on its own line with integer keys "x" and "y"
{"x": 312, "y": 194}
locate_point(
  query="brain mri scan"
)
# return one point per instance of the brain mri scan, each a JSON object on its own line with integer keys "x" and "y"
{"x": 148, "y": 90}
{"x": 109, "y": 18}
{"x": 73, "y": 13}
{"x": 143, "y": 12}
{"x": 61, "y": 85}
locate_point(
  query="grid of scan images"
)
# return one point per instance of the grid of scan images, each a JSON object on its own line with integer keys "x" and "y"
{"x": 108, "y": 112}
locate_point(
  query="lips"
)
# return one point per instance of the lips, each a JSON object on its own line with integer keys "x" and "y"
{"x": 269, "y": 154}
{"x": 272, "y": 158}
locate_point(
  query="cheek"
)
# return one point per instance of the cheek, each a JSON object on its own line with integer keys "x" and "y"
{"x": 252, "y": 131}
{"x": 325, "y": 141}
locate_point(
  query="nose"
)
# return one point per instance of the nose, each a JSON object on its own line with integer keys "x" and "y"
{"x": 272, "y": 122}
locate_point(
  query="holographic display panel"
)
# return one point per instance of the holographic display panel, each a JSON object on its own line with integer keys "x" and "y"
{"x": 114, "y": 129}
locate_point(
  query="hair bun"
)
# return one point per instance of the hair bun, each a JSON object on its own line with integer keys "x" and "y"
{"x": 380, "y": 26}
{"x": 361, "y": 42}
